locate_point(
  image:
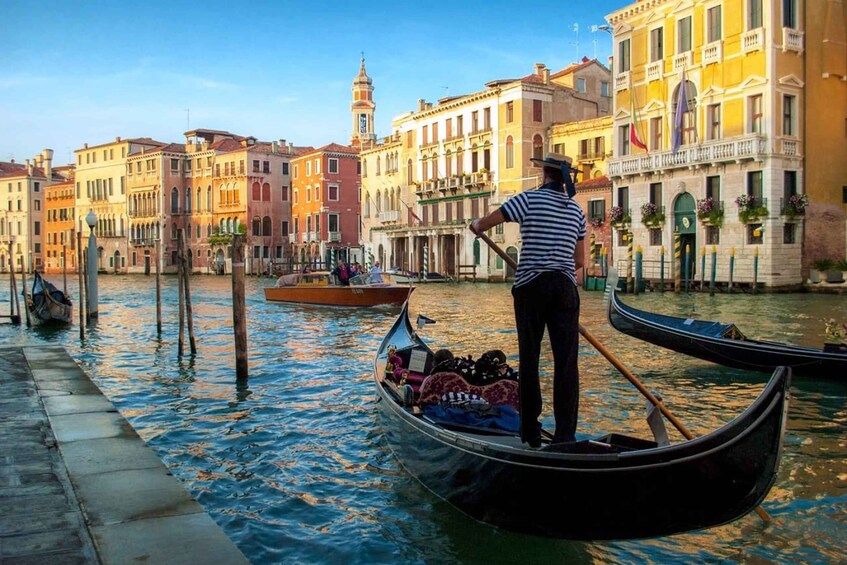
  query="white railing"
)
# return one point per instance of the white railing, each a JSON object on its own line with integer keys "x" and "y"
{"x": 790, "y": 147}
{"x": 753, "y": 40}
{"x": 713, "y": 53}
{"x": 749, "y": 147}
{"x": 654, "y": 70}
{"x": 682, "y": 61}
{"x": 792, "y": 40}
{"x": 315, "y": 236}
{"x": 622, "y": 80}
{"x": 389, "y": 216}
{"x": 334, "y": 236}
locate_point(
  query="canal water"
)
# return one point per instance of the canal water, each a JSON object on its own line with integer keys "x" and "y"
{"x": 295, "y": 468}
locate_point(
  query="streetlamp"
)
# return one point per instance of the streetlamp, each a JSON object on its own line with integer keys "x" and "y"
{"x": 91, "y": 220}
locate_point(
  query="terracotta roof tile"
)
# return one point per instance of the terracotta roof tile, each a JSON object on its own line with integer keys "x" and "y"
{"x": 598, "y": 182}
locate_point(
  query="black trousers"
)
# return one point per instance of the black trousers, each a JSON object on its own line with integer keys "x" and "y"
{"x": 550, "y": 301}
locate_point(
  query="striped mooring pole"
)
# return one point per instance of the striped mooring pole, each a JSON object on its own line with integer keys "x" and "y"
{"x": 425, "y": 261}
{"x": 662, "y": 268}
{"x": 592, "y": 257}
{"x": 687, "y": 268}
{"x": 629, "y": 287}
{"x": 731, "y": 267}
{"x": 604, "y": 262}
{"x": 677, "y": 266}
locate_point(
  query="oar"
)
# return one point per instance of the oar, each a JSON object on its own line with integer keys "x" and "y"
{"x": 618, "y": 365}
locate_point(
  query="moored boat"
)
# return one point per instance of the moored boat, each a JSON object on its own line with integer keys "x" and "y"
{"x": 724, "y": 343}
{"x": 318, "y": 288}
{"x": 415, "y": 278}
{"x": 47, "y": 304}
{"x": 609, "y": 487}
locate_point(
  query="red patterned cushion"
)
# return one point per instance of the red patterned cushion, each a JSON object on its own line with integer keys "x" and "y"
{"x": 438, "y": 384}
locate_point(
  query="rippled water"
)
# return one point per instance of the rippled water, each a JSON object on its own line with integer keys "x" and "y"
{"x": 294, "y": 466}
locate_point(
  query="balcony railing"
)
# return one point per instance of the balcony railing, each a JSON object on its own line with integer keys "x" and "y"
{"x": 748, "y": 147}
{"x": 682, "y": 61}
{"x": 792, "y": 40}
{"x": 654, "y": 70}
{"x": 713, "y": 52}
{"x": 753, "y": 40}
{"x": 389, "y": 216}
{"x": 621, "y": 80}
{"x": 790, "y": 147}
{"x": 334, "y": 236}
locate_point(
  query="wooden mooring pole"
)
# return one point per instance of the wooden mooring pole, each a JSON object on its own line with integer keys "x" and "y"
{"x": 239, "y": 320}
{"x": 186, "y": 276}
{"x": 65, "y": 268}
{"x": 13, "y": 289}
{"x": 158, "y": 290}
{"x": 23, "y": 284}
{"x": 179, "y": 275}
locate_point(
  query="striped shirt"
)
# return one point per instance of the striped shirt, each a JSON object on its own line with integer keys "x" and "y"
{"x": 551, "y": 224}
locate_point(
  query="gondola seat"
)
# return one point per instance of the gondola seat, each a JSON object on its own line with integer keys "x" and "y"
{"x": 435, "y": 386}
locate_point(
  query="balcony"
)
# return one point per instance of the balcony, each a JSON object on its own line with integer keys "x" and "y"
{"x": 790, "y": 147}
{"x": 792, "y": 40}
{"x": 753, "y": 40}
{"x": 389, "y": 216}
{"x": 335, "y": 236}
{"x": 751, "y": 147}
{"x": 654, "y": 71}
{"x": 713, "y": 53}
{"x": 621, "y": 81}
{"x": 683, "y": 61}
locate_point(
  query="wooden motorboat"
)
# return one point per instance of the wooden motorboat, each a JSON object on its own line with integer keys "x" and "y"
{"x": 416, "y": 278}
{"x": 724, "y": 343}
{"x": 47, "y": 304}
{"x": 609, "y": 487}
{"x": 318, "y": 288}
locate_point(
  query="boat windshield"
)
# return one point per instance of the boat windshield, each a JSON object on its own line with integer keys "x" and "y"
{"x": 367, "y": 279}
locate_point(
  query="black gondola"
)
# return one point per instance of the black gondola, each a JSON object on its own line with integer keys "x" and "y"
{"x": 724, "y": 343}
{"x": 612, "y": 487}
{"x": 48, "y": 304}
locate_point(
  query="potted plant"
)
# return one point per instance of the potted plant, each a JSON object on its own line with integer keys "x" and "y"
{"x": 750, "y": 209}
{"x": 710, "y": 212}
{"x": 618, "y": 217}
{"x": 597, "y": 221}
{"x": 819, "y": 269}
{"x": 651, "y": 215}
{"x": 842, "y": 266}
{"x": 795, "y": 206}
{"x": 833, "y": 273}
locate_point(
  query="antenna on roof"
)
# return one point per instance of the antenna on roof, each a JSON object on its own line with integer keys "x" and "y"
{"x": 575, "y": 27}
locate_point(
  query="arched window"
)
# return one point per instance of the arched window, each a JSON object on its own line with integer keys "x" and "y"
{"x": 378, "y": 202}
{"x": 367, "y": 205}
{"x": 199, "y": 200}
{"x": 209, "y": 198}
{"x": 266, "y": 192}
{"x": 266, "y": 226}
{"x": 199, "y": 232}
{"x": 460, "y": 161}
{"x": 424, "y": 170}
{"x": 188, "y": 200}
{"x": 510, "y": 152}
{"x": 410, "y": 177}
{"x": 386, "y": 202}
{"x": 257, "y": 192}
{"x": 537, "y": 147}
{"x": 448, "y": 164}
{"x": 174, "y": 201}
{"x": 222, "y": 195}
{"x": 173, "y": 231}
{"x": 257, "y": 226}
{"x": 434, "y": 166}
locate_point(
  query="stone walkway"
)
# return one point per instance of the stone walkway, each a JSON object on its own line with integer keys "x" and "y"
{"x": 77, "y": 483}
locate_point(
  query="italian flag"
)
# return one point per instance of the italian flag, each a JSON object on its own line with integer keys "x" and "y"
{"x": 633, "y": 128}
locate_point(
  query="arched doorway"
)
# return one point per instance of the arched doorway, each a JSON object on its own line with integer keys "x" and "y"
{"x": 512, "y": 252}
{"x": 117, "y": 258}
{"x": 147, "y": 262}
{"x": 684, "y": 224}
{"x": 220, "y": 262}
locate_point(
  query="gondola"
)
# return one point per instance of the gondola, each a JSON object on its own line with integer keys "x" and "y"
{"x": 609, "y": 487}
{"x": 47, "y": 304}
{"x": 724, "y": 343}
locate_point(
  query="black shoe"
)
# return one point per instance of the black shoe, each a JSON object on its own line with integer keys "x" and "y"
{"x": 534, "y": 442}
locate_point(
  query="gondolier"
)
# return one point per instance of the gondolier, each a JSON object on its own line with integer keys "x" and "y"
{"x": 545, "y": 292}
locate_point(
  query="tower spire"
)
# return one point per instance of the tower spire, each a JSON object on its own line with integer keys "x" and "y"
{"x": 363, "y": 108}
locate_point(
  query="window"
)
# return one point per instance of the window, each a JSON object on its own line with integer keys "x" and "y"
{"x": 596, "y": 209}
{"x": 448, "y": 129}
{"x": 755, "y": 113}
{"x": 655, "y": 236}
{"x": 285, "y": 168}
{"x": 510, "y": 152}
{"x": 285, "y": 228}
{"x": 789, "y": 13}
{"x": 435, "y": 132}
{"x": 713, "y": 188}
{"x": 486, "y": 118}
{"x": 713, "y": 24}
{"x": 656, "y": 193}
{"x": 789, "y": 184}
{"x": 580, "y": 85}
{"x": 318, "y": 166}
{"x": 536, "y": 110}
{"x": 174, "y": 165}
{"x": 333, "y": 192}
{"x": 623, "y": 136}
{"x": 754, "y": 185}
{"x": 425, "y": 135}
{"x": 754, "y": 14}
{"x": 308, "y": 194}
{"x": 789, "y": 233}
{"x": 333, "y": 165}
{"x": 657, "y": 44}
{"x": 332, "y": 223}
{"x": 604, "y": 88}
{"x": 36, "y": 186}
{"x": 788, "y": 114}
{"x": 656, "y": 134}
{"x": 296, "y": 170}
{"x": 174, "y": 201}
{"x": 266, "y": 166}
{"x": 713, "y": 123}
{"x": 296, "y": 196}
{"x": 308, "y": 168}
{"x": 623, "y": 56}
{"x": 623, "y": 199}
{"x": 459, "y": 121}
{"x": 474, "y": 122}
{"x": 36, "y": 228}
{"x": 754, "y": 234}
{"x": 266, "y": 226}
{"x": 683, "y": 27}
{"x": 537, "y": 147}
{"x": 510, "y": 112}
{"x": 713, "y": 235}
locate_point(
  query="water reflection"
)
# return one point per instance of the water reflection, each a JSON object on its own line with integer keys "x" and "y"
{"x": 293, "y": 465}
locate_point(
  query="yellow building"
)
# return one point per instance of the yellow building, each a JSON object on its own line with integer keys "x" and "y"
{"x": 452, "y": 161}
{"x": 718, "y": 92}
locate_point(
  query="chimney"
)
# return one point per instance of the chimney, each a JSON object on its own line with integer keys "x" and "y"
{"x": 282, "y": 142}
{"x": 274, "y": 147}
{"x": 118, "y": 139}
{"x": 421, "y": 104}
{"x": 37, "y": 160}
{"x": 539, "y": 68}
{"x": 545, "y": 74}
{"x": 28, "y": 167}
{"x": 47, "y": 156}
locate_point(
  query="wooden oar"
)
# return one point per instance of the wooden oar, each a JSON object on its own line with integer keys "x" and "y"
{"x": 617, "y": 364}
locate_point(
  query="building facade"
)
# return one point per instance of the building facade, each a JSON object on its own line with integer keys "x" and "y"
{"x": 713, "y": 130}
{"x": 60, "y": 226}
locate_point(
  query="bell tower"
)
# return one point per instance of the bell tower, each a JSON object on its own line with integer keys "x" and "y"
{"x": 362, "y": 109}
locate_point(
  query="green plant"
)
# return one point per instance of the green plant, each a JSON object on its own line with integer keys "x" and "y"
{"x": 751, "y": 214}
{"x": 841, "y": 265}
{"x": 710, "y": 211}
{"x": 823, "y": 265}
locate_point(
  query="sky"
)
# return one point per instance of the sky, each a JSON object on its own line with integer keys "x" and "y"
{"x": 75, "y": 72}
